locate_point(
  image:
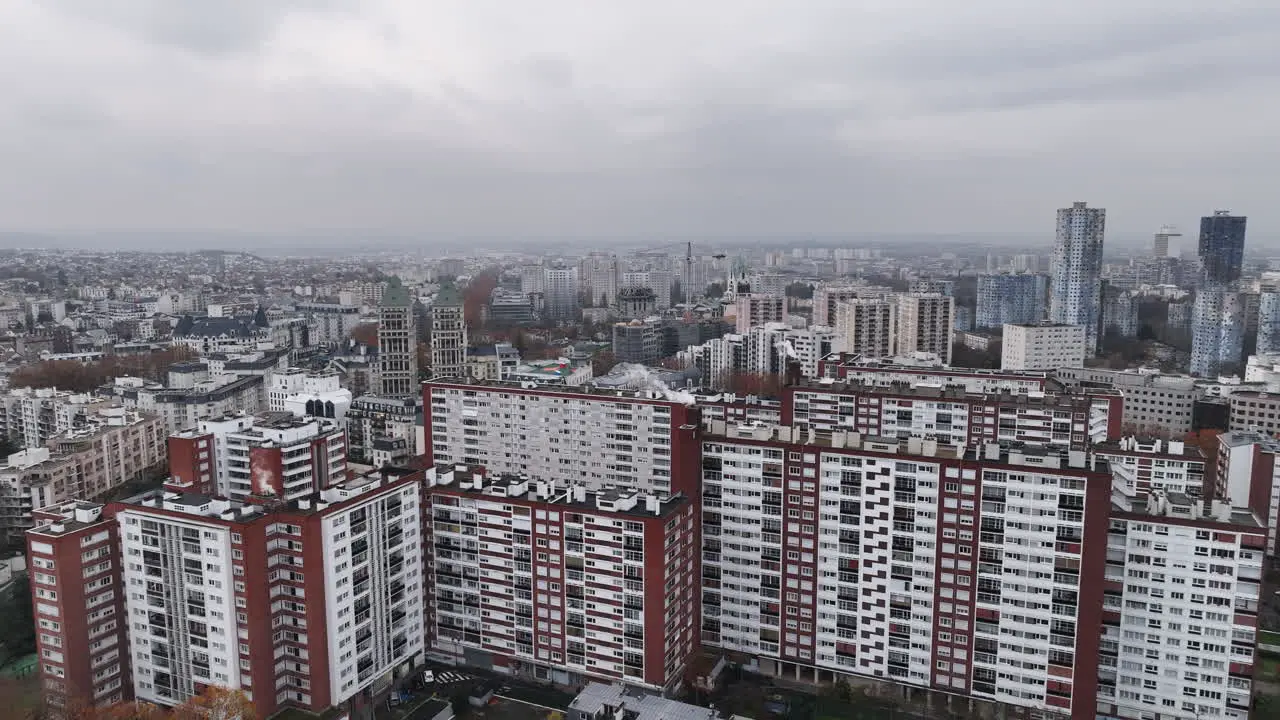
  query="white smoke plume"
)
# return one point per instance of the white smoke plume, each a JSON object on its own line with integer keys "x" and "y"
{"x": 642, "y": 378}
{"x": 786, "y": 350}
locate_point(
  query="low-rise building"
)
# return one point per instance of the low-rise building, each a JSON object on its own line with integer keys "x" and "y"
{"x": 1042, "y": 346}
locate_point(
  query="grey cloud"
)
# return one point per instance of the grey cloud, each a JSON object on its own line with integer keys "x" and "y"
{"x": 216, "y": 27}
{"x": 589, "y": 120}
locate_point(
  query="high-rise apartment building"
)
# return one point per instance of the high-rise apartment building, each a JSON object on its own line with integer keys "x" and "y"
{"x": 753, "y": 310}
{"x": 1217, "y": 330}
{"x": 827, "y": 298}
{"x": 397, "y": 342}
{"x": 558, "y": 582}
{"x": 560, "y": 292}
{"x": 1269, "y": 323}
{"x": 601, "y": 276}
{"x": 953, "y": 416}
{"x": 639, "y": 439}
{"x": 1221, "y": 247}
{"x": 1006, "y": 299}
{"x": 306, "y": 604}
{"x": 1042, "y": 346}
{"x": 925, "y": 324}
{"x": 448, "y": 334}
{"x": 1160, "y": 243}
{"x": 272, "y": 455}
{"x": 1075, "y": 277}
{"x": 30, "y": 416}
{"x": 1219, "y": 314}
{"x": 871, "y": 558}
{"x": 868, "y": 327}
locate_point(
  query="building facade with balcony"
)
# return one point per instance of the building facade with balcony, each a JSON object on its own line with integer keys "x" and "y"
{"x": 642, "y": 439}
{"x": 554, "y": 582}
{"x": 313, "y": 603}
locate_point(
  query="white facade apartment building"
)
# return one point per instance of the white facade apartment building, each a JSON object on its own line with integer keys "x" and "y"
{"x": 1180, "y": 607}
{"x": 827, "y": 298}
{"x": 868, "y": 327}
{"x": 925, "y": 324}
{"x": 961, "y": 573}
{"x": 304, "y": 604}
{"x": 305, "y": 393}
{"x": 1043, "y": 346}
{"x": 179, "y": 580}
{"x": 630, "y": 438}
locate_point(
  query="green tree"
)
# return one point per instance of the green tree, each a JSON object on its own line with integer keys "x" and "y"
{"x": 17, "y": 619}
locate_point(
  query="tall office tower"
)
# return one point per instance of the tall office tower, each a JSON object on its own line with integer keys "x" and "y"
{"x": 579, "y": 584}
{"x": 752, "y": 310}
{"x": 1221, "y": 249}
{"x": 560, "y": 290}
{"x": 925, "y": 324}
{"x": 1160, "y": 243}
{"x": 1010, "y": 299}
{"x": 1217, "y": 330}
{"x": 448, "y": 334}
{"x": 1075, "y": 290}
{"x": 635, "y": 439}
{"x": 1269, "y": 323}
{"x": 397, "y": 342}
{"x": 600, "y": 276}
{"x": 305, "y": 604}
{"x": 868, "y": 327}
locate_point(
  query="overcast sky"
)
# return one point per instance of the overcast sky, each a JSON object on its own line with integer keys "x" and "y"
{"x": 579, "y": 117}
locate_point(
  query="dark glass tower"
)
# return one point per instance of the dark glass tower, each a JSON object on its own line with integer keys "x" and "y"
{"x": 1222, "y": 247}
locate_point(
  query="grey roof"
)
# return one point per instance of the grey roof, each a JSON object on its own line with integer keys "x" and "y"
{"x": 646, "y": 706}
{"x": 215, "y": 327}
{"x": 396, "y": 295}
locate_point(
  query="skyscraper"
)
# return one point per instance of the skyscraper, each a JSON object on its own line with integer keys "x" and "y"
{"x": 1218, "y": 317}
{"x": 1217, "y": 330}
{"x": 1269, "y": 323}
{"x": 1160, "y": 244}
{"x": 1075, "y": 296}
{"x": 448, "y": 334}
{"x": 397, "y": 342}
{"x": 1221, "y": 247}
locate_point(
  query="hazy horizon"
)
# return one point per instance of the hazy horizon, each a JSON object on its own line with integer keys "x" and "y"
{"x": 580, "y": 120}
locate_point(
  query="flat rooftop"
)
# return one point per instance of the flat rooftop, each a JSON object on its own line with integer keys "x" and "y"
{"x": 608, "y": 499}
